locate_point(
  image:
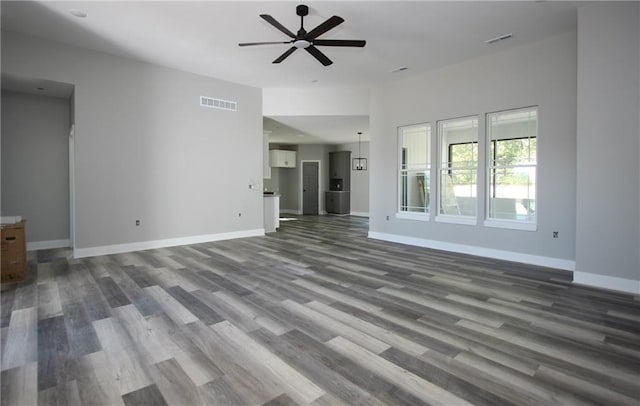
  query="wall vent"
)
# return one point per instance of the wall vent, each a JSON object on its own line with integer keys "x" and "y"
{"x": 218, "y": 103}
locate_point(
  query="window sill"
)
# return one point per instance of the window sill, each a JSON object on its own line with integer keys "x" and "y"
{"x": 511, "y": 224}
{"x": 469, "y": 221}
{"x": 413, "y": 216}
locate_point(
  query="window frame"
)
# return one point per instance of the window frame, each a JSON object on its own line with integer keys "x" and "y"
{"x": 405, "y": 214}
{"x": 455, "y": 218}
{"x": 491, "y": 156}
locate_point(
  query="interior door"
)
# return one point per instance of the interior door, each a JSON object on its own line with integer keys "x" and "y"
{"x": 310, "y": 188}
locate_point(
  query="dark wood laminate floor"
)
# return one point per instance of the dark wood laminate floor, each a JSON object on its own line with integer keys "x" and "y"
{"x": 314, "y": 314}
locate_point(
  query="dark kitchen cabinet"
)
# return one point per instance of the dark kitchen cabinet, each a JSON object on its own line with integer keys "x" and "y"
{"x": 338, "y": 202}
{"x": 338, "y": 198}
{"x": 340, "y": 171}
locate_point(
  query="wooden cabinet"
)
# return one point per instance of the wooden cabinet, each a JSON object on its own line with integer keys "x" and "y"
{"x": 338, "y": 198}
{"x": 340, "y": 170}
{"x": 14, "y": 252}
{"x": 282, "y": 159}
{"x": 338, "y": 202}
{"x": 338, "y": 163}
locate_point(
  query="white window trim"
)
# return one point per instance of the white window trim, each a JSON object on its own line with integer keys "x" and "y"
{"x": 457, "y": 219}
{"x": 511, "y": 224}
{"x": 408, "y": 215}
{"x": 453, "y": 218}
{"x": 523, "y": 225}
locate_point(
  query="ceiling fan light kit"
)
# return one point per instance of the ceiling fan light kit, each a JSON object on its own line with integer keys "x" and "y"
{"x": 307, "y": 40}
{"x": 301, "y": 43}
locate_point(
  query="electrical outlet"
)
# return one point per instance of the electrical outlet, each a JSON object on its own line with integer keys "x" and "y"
{"x": 137, "y": 223}
{"x": 387, "y": 218}
{"x": 555, "y": 234}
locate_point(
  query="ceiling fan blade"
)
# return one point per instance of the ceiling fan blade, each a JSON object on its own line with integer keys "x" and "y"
{"x": 319, "y": 55}
{"x": 285, "y": 55}
{"x": 339, "y": 43}
{"x": 276, "y": 24}
{"x": 332, "y": 22}
{"x": 247, "y": 44}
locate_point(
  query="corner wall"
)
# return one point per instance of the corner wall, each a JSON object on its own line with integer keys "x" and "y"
{"x": 608, "y": 145}
{"x": 145, "y": 150}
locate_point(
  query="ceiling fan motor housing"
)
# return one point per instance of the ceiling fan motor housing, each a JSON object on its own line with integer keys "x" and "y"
{"x": 302, "y": 10}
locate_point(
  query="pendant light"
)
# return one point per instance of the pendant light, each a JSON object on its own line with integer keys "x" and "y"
{"x": 359, "y": 163}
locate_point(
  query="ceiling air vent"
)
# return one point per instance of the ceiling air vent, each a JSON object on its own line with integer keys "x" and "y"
{"x": 218, "y": 103}
{"x": 498, "y": 39}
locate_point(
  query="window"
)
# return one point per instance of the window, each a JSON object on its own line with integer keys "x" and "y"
{"x": 512, "y": 159}
{"x": 458, "y": 170}
{"x": 414, "y": 142}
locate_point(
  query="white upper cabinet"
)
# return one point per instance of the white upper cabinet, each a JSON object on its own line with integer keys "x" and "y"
{"x": 282, "y": 159}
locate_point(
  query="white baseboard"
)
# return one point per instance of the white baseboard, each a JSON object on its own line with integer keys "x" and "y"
{"x": 359, "y": 214}
{"x": 171, "y": 242}
{"x": 47, "y": 245}
{"x": 290, "y": 211}
{"x": 549, "y": 262}
{"x": 607, "y": 282}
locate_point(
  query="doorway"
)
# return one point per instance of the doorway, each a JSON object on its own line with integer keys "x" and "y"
{"x": 37, "y": 158}
{"x": 310, "y": 187}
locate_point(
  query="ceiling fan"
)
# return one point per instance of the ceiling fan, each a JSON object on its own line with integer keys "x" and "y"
{"x": 308, "y": 40}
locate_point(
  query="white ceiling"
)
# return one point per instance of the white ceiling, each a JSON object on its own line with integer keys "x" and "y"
{"x": 202, "y": 37}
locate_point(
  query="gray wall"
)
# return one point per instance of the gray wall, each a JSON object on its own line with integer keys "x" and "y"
{"x": 273, "y": 184}
{"x": 359, "y": 179}
{"x": 146, "y": 150}
{"x": 35, "y": 163}
{"x": 289, "y": 180}
{"x": 541, "y": 73}
{"x": 283, "y": 182}
{"x": 608, "y": 191}
{"x": 289, "y": 189}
